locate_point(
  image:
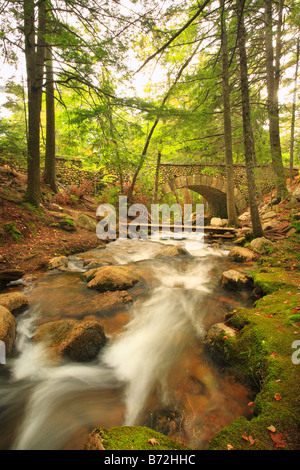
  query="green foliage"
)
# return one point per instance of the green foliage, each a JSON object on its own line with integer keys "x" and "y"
{"x": 13, "y": 230}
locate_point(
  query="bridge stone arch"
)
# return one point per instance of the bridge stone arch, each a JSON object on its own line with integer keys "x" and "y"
{"x": 213, "y": 189}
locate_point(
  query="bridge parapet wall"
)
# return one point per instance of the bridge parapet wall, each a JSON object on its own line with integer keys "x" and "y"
{"x": 264, "y": 174}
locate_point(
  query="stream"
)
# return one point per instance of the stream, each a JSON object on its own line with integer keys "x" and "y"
{"x": 153, "y": 371}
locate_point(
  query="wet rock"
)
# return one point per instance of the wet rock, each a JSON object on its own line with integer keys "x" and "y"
{"x": 131, "y": 438}
{"x": 86, "y": 222}
{"x": 240, "y": 241}
{"x": 172, "y": 251}
{"x": 58, "y": 262}
{"x": 261, "y": 245}
{"x": 95, "y": 441}
{"x": 9, "y": 275}
{"x": 216, "y": 340}
{"x": 111, "y": 278}
{"x": 13, "y": 301}
{"x": 79, "y": 341}
{"x": 8, "y": 328}
{"x": 232, "y": 279}
{"x": 241, "y": 254}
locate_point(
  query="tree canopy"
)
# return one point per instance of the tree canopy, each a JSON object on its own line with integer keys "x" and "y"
{"x": 134, "y": 78}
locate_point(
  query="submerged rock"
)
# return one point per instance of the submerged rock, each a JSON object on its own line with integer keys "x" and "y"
{"x": 79, "y": 341}
{"x": 111, "y": 278}
{"x": 8, "y": 328}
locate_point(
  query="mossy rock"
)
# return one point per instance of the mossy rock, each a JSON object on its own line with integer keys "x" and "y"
{"x": 272, "y": 279}
{"x": 78, "y": 341}
{"x": 261, "y": 355}
{"x": 131, "y": 438}
{"x": 111, "y": 278}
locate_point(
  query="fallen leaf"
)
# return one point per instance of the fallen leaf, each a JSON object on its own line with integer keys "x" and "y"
{"x": 251, "y": 440}
{"x": 229, "y": 447}
{"x": 225, "y": 337}
{"x": 246, "y": 438}
{"x": 277, "y": 396}
{"x": 273, "y": 354}
{"x": 153, "y": 441}
{"x": 277, "y": 439}
{"x": 251, "y": 403}
{"x": 278, "y": 380}
{"x": 271, "y": 428}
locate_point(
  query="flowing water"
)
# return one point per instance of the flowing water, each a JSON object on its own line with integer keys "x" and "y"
{"x": 153, "y": 370}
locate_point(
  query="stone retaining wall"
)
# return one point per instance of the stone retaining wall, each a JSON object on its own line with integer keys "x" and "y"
{"x": 69, "y": 172}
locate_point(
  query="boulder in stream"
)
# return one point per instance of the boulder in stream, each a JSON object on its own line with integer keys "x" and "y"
{"x": 241, "y": 254}
{"x": 8, "y": 328}
{"x": 13, "y": 301}
{"x": 58, "y": 262}
{"x": 111, "y": 278}
{"x": 172, "y": 251}
{"x": 218, "y": 341}
{"x": 79, "y": 341}
{"x": 233, "y": 279}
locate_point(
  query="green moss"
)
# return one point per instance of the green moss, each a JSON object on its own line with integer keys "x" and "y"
{"x": 261, "y": 353}
{"x": 136, "y": 438}
{"x": 272, "y": 279}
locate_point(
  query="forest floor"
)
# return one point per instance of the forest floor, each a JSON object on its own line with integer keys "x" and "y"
{"x": 30, "y": 237}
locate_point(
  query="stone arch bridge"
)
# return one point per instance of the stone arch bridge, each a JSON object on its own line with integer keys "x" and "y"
{"x": 210, "y": 181}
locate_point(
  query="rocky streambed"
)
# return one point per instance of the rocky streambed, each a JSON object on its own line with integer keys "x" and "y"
{"x": 164, "y": 335}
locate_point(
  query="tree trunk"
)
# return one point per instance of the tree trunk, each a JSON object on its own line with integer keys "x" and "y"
{"x": 231, "y": 209}
{"x": 50, "y": 159}
{"x": 34, "y": 55}
{"x": 272, "y": 75}
{"x": 294, "y": 114}
{"x": 247, "y": 128}
{"x": 154, "y": 200}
